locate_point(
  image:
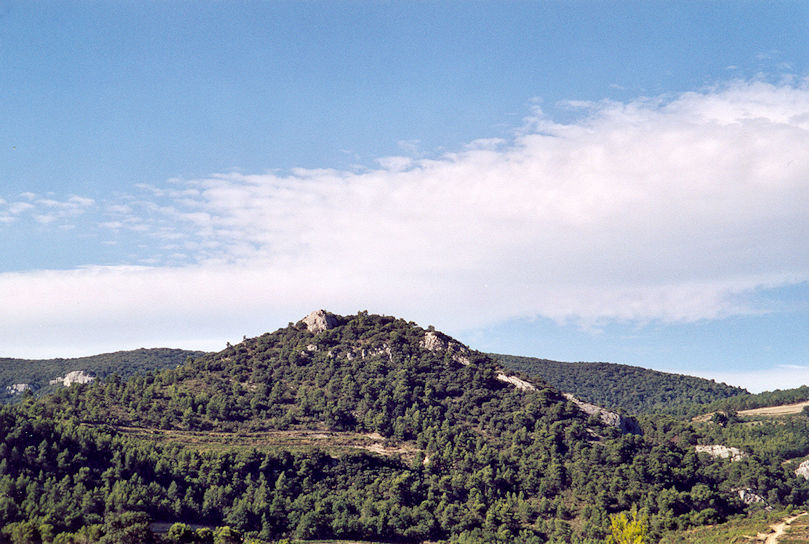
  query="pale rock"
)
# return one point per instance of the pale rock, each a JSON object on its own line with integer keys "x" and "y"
{"x": 749, "y": 496}
{"x": 803, "y": 470}
{"x": 437, "y": 342}
{"x": 17, "y": 388}
{"x": 433, "y": 342}
{"x": 76, "y": 376}
{"x": 319, "y": 321}
{"x": 516, "y": 382}
{"x": 722, "y": 452}
{"x": 607, "y": 417}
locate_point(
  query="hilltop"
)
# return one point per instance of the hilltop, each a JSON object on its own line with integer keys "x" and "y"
{"x": 365, "y": 427}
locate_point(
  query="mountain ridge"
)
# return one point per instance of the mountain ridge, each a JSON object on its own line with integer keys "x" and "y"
{"x": 628, "y": 388}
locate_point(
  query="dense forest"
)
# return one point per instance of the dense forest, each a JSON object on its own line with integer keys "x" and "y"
{"x": 365, "y": 427}
{"x": 630, "y": 388}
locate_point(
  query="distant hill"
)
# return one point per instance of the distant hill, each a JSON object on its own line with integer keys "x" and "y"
{"x": 368, "y": 428}
{"x": 633, "y": 389}
{"x": 19, "y": 375}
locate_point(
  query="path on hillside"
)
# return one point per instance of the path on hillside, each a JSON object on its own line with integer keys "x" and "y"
{"x": 777, "y": 530}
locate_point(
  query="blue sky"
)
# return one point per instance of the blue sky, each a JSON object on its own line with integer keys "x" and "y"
{"x": 618, "y": 181}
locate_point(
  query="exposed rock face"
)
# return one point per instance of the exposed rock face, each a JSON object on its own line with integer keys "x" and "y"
{"x": 438, "y": 342}
{"x": 607, "y": 417}
{"x": 749, "y": 496}
{"x": 516, "y": 382}
{"x": 319, "y": 321}
{"x": 17, "y": 388}
{"x": 433, "y": 342}
{"x": 803, "y": 470}
{"x": 77, "y": 376}
{"x": 723, "y": 452}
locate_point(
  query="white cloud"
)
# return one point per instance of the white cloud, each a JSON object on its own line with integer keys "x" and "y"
{"x": 17, "y": 208}
{"x": 45, "y": 219}
{"x": 81, "y": 201}
{"x": 47, "y": 211}
{"x": 673, "y": 209}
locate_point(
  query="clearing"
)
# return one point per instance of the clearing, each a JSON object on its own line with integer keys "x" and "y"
{"x": 783, "y": 410}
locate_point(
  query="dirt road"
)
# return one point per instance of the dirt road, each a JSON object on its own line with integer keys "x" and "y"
{"x": 777, "y": 530}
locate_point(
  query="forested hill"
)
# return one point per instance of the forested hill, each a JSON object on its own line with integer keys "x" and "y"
{"x": 361, "y": 427}
{"x": 633, "y": 389}
{"x": 20, "y": 375}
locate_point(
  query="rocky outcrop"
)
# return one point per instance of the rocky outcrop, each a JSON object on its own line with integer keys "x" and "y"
{"x": 440, "y": 343}
{"x": 803, "y": 470}
{"x": 516, "y": 382}
{"x": 77, "y": 376}
{"x": 749, "y": 496}
{"x": 722, "y": 452}
{"x": 17, "y": 388}
{"x": 607, "y": 417}
{"x": 319, "y": 321}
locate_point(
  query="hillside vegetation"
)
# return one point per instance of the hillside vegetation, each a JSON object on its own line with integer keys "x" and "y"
{"x": 36, "y": 374}
{"x": 633, "y": 389}
{"x": 361, "y": 427}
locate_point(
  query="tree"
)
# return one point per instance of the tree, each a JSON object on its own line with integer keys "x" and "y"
{"x": 628, "y": 531}
{"x": 127, "y": 528}
{"x": 180, "y": 533}
{"x": 23, "y": 532}
{"x": 226, "y": 535}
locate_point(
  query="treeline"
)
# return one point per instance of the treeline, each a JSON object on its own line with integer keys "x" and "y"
{"x": 493, "y": 463}
{"x": 633, "y": 389}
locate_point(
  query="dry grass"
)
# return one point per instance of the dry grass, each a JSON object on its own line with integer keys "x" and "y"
{"x": 775, "y": 411}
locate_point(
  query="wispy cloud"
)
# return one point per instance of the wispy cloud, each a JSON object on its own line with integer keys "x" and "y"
{"x": 45, "y": 210}
{"x": 672, "y": 208}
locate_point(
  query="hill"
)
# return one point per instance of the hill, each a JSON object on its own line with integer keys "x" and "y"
{"x": 44, "y": 375}
{"x": 633, "y": 389}
{"x": 365, "y": 427}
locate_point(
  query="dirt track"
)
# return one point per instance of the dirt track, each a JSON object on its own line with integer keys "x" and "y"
{"x": 777, "y": 530}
